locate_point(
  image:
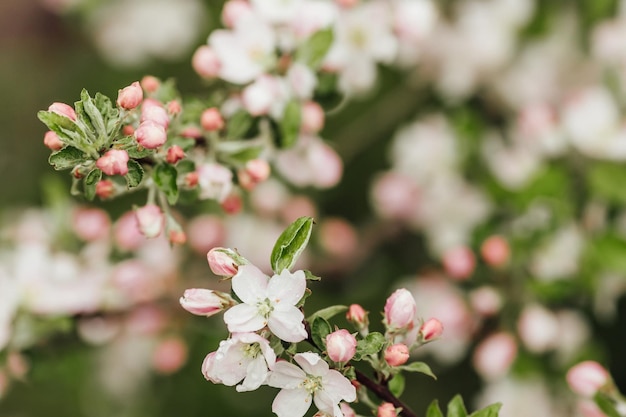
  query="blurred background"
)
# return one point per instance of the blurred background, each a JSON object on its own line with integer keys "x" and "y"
{"x": 499, "y": 118}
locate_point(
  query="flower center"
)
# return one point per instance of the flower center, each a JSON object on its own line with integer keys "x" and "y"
{"x": 252, "y": 350}
{"x": 312, "y": 383}
{"x": 265, "y": 308}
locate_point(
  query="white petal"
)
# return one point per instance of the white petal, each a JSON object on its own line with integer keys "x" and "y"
{"x": 291, "y": 403}
{"x": 243, "y": 318}
{"x": 324, "y": 402}
{"x": 229, "y": 363}
{"x": 312, "y": 363}
{"x": 338, "y": 386}
{"x": 287, "y": 325}
{"x": 286, "y": 288}
{"x": 250, "y": 284}
{"x": 256, "y": 374}
{"x": 285, "y": 375}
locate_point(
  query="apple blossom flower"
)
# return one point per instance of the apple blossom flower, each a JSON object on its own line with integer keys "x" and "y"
{"x": 254, "y": 172}
{"x": 261, "y": 96}
{"x": 114, "y": 162}
{"x": 52, "y": 141}
{"x": 63, "y": 109}
{"x": 150, "y": 220}
{"x": 312, "y": 379}
{"x": 130, "y": 97}
{"x": 459, "y": 262}
{"x": 400, "y": 310}
{"x": 587, "y": 377}
{"x": 312, "y": 117}
{"x": 205, "y": 232}
{"x": 245, "y": 358}
{"x": 150, "y": 83}
{"x": 268, "y": 302}
{"x": 150, "y": 135}
{"x": 397, "y": 354}
{"x": 341, "y": 345}
{"x": 91, "y": 224}
{"x": 215, "y": 181}
{"x": 203, "y": 302}
{"x": 494, "y": 355}
{"x": 538, "y": 328}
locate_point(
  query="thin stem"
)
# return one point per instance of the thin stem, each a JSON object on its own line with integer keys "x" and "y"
{"x": 384, "y": 394}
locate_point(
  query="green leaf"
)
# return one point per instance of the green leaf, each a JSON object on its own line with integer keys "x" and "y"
{"x": 93, "y": 113}
{"x": 606, "y": 404}
{"x": 135, "y": 174}
{"x": 320, "y": 328}
{"x": 165, "y": 178}
{"x": 239, "y": 124}
{"x": 291, "y": 243}
{"x": 456, "y": 408}
{"x": 289, "y": 126}
{"x": 396, "y": 385}
{"x": 239, "y": 152}
{"x": 310, "y": 276}
{"x": 313, "y": 51}
{"x": 90, "y": 182}
{"x": 420, "y": 367}
{"x": 434, "y": 410}
{"x": 607, "y": 180}
{"x": 370, "y": 345}
{"x": 328, "y": 312}
{"x": 489, "y": 411}
{"x": 66, "y": 158}
{"x": 65, "y": 128}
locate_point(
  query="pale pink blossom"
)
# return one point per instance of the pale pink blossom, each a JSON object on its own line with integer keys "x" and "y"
{"x": 314, "y": 380}
{"x": 400, "y": 310}
{"x": 296, "y": 207}
{"x": 134, "y": 281}
{"x": 302, "y": 81}
{"x": 494, "y": 356}
{"x": 222, "y": 262}
{"x": 397, "y": 354}
{"x": 312, "y": 117}
{"x": 245, "y": 358}
{"x": 254, "y": 172}
{"x": 485, "y": 300}
{"x": 174, "y": 107}
{"x": 234, "y": 10}
{"x": 205, "y": 232}
{"x": 312, "y": 16}
{"x": 386, "y": 410}
{"x": 338, "y": 237}
{"x": 114, "y": 162}
{"x": 169, "y": 355}
{"x": 52, "y": 141}
{"x": 205, "y": 62}
{"x": 268, "y": 302}
{"x": 459, "y": 262}
{"x": 588, "y": 408}
{"x": 63, "y": 109}
{"x": 347, "y": 410}
{"x": 150, "y": 220}
{"x": 430, "y": 330}
{"x": 538, "y": 328}
{"x": 91, "y": 224}
{"x": 341, "y": 345}
{"x": 126, "y": 232}
{"x": 495, "y": 250}
{"x": 215, "y": 181}
{"x": 395, "y": 196}
{"x": 150, "y": 135}
{"x": 130, "y": 97}
{"x": 259, "y": 97}
{"x": 587, "y": 377}
{"x": 203, "y": 302}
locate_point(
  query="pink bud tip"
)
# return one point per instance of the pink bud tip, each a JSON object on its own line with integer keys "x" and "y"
{"x": 341, "y": 345}
{"x": 232, "y": 204}
{"x": 396, "y": 355}
{"x": 52, "y": 141}
{"x": 495, "y": 251}
{"x": 400, "y": 310}
{"x": 63, "y": 110}
{"x": 312, "y": 117}
{"x": 205, "y": 62}
{"x": 357, "y": 314}
{"x": 149, "y": 220}
{"x": 431, "y": 330}
{"x": 113, "y": 162}
{"x": 130, "y": 97}
{"x": 150, "y": 83}
{"x": 221, "y": 262}
{"x": 174, "y": 154}
{"x": 174, "y": 107}
{"x": 105, "y": 189}
{"x": 386, "y": 410}
{"x": 211, "y": 120}
{"x": 587, "y": 378}
{"x": 203, "y": 302}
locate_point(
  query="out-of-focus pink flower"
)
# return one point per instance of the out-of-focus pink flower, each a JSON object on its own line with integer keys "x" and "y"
{"x": 203, "y": 302}
{"x": 63, "y": 110}
{"x": 495, "y": 251}
{"x": 459, "y": 262}
{"x": 341, "y": 345}
{"x": 150, "y": 84}
{"x": 205, "y": 62}
{"x": 310, "y": 162}
{"x": 587, "y": 377}
{"x": 174, "y": 154}
{"x": 386, "y": 410}
{"x": 146, "y": 320}
{"x": 211, "y": 120}
{"x": 205, "y": 232}
{"x": 126, "y": 232}
{"x": 431, "y": 329}
{"x": 114, "y": 162}
{"x": 215, "y": 181}
{"x": 233, "y": 11}
{"x": 302, "y": 80}
{"x": 170, "y": 355}
{"x": 494, "y": 355}
{"x": 395, "y": 196}
{"x": 397, "y": 354}
{"x": 259, "y": 97}
{"x": 150, "y": 135}
{"x": 589, "y": 408}
{"x": 296, "y": 207}
{"x": 485, "y": 300}
{"x": 52, "y": 141}
{"x": 91, "y": 224}
{"x": 347, "y": 410}
{"x": 338, "y": 237}
{"x": 134, "y": 281}
{"x": 130, "y": 97}
{"x": 150, "y": 220}
{"x": 232, "y": 204}
{"x": 105, "y": 189}
{"x": 254, "y": 172}
{"x": 152, "y": 110}
{"x": 400, "y": 310}
{"x": 538, "y": 328}
{"x": 312, "y": 117}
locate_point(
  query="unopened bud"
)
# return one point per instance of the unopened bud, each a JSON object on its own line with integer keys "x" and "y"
{"x": 205, "y": 62}
{"x": 202, "y": 302}
{"x": 386, "y": 410}
{"x": 52, "y": 141}
{"x": 224, "y": 262}
{"x": 396, "y": 355}
{"x": 431, "y": 330}
{"x": 232, "y": 204}
{"x": 312, "y": 117}
{"x": 174, "y": 154}
{"x": 256, "y": 171}
{"x": 174, "y": 108}
{"x": 341, "y": 345}
{"x": 150, "y": 135}
{"x": 357, "y": 315}
{"x": 154, "y": 111}
{"x": 211, "y": 120}
{"x": 459, "y": 262}
{"x": 105, "y": 189}
{"x": 128, "y": 130}
{"x": 495, "y": 251}
{"x": 177, "y": 237}
{"x": 113, "y": 162}
{"x": 130, "y": 97}
{"x": 587, "y": 378}
{"x": 150, "y": 220}
{"x": 191, "y": 179}
{"x": 150, "y": 83}
{"x": 400, "y": 310}
{"x": 63, "y": 110}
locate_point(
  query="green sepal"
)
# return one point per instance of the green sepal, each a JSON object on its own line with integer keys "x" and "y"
{"x": 66, "y": 158}
{"x": 396, "y": 385}
{"x": 88, "y": 113}
{"x": 165, "y": 178}
{"x": 90, "y": 182}
{"x": 310, "y": 276}
{"x": 290, "y": 244}
{"x": 420, "y": 367}
{"x": 135, "y": 174}
{"x": 313, "y": 51}
{"x": 320, "y": 328}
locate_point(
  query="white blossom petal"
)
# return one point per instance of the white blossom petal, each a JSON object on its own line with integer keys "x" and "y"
{"x": 250, "y": 284}
{"x": 312, "y": 363}
{"x": 285, "y": 375}
{"x": 256, "y": 373}
{"x": 287, "y": 324}
{"x": 243, "y": 318}
{"x": 287, "y": 288}
{"x": 291, "y": 403}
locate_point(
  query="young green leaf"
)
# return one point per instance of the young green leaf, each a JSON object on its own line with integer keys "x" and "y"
{"x": 606, "y": 404}
{"x": 370, "y": 345}
{"x": 489, "y": 411}
{"x": 290, "y": 244}
{"x": 239, "y": 124}
{"x": 396, "y": 385}
{"x": 66, "y": 158}
{"x": 65, "y": 128}
{"x": 456, "y": 408}
{"x": 165, "y": 178}
{"x": 135, "y": 174}
{"x": 328, "y": 312}
{"x": 434, "y": 410}
{"x": 289, "y": 126}
{"x": 420, "y": 367}
{"x": 313, "y": 51}
{"x": 90, "y": 182}
{"x": 320, "y": 328}
{"x": 92, "y": 116}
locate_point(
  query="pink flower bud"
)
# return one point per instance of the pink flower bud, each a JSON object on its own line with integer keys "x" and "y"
{"x": 588, "y": 408}
{"x": 347, "y": 3}
{"x": 114, "y": 162}
{"x": 396, "y": 355}
{"x": 346, "y": 410}
{"x": 215, "y": 181}
{"x": 150, "y": 135}
{"x": 152, "y": 110}
{"x": 312, "y": 117}
{"x": 52, "y": 141}
{"x": 91, "y": 224}
{"x": 341, "y": 345}
{"x": 130, "y": 97}
{"x": 191, "y": 179}
{"x": 395, "y": 196}
{"x": 150, "y": 83}
{"x": 105, "y": 189}
{"x": 587, "y": 378}
{"x": 386, "y": 410}
{"x": 205, "y": 62}
{"x": 357, "y": 315}
{"x": 63, "y": 110}
{"x": 128, "y": 130}
{"x": 431, "y": 330}
{"x": 207, "y": 364}
{"x": 177, "y": 237}
{"x": 494, "y": 355}
{"x": 222, "y": 261}
{"x": 338, "y": 237}
{"x": 233, "y": 11}
{"x": 459, "y": 262}
{"x": 495, "y": 251}
{"x": 174, "y": 108}
{"x": 232, "y": 204}
{"x": 169, "y": 356}
{"x": 400, "y": 310}
{"x": 256, "y": 171}
{"x": 174, "y": 154}
{"x": 149, "y": 220}
{"x": 206, "y": 232}
{"x": 191, "y": 132}
{"x": 202, "y": 302}
{"x": 211, "y": 120}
